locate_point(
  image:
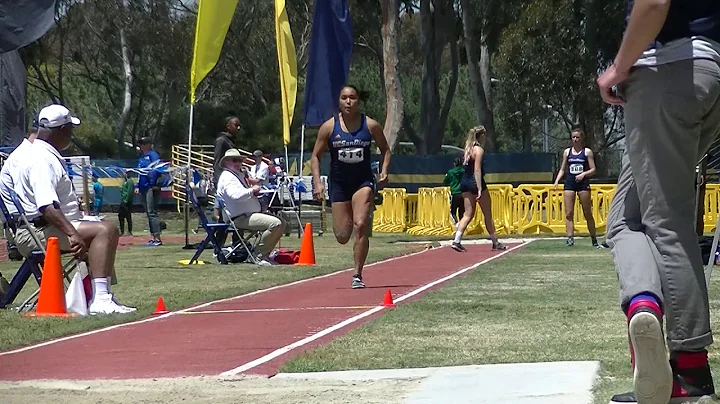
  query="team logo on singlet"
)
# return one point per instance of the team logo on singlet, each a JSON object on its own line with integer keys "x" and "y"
{"x": 350, "y": 151}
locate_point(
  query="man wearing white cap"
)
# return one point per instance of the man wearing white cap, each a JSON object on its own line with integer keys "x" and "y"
{"x": 241, "y": 203}
{"x": 46, "y": 191}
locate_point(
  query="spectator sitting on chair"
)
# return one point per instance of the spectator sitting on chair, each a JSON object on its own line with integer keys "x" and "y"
{"x": 47, "y": 194}
{"x": 241, "y": 203}
{"x": 259, "y": 175}
{"x": 260, "y": 171}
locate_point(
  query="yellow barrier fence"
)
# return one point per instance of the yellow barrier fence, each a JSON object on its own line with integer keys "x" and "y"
{"x": 526, "y": 209}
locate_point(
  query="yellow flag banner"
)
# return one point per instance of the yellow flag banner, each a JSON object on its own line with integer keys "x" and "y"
{"x": 213, "y": 20}
{"x": 288, "y": 67}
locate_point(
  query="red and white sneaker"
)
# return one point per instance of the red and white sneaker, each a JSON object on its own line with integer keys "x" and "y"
{"x": 652, "y": 374}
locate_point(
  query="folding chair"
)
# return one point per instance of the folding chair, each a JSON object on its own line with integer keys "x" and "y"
{"x": 212, "y": 229}
{"x": 31, "y": 266}
{"x": 67, "y": 268}
{"x": 249, "y": 242}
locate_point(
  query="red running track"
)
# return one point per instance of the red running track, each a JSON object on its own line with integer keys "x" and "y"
{"x": 249, "y": 334}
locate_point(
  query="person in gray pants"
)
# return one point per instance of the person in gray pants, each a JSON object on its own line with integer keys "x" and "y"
{"x": 670, "y": 91}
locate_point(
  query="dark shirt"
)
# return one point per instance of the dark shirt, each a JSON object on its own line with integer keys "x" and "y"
{"x": 223, "y": 143}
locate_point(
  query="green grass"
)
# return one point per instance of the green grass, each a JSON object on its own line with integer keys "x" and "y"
{"x": 543, "y": 303}
{"x": 145, "y": 273}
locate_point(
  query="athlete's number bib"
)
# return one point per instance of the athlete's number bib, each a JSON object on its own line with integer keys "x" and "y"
{"x": 351, "y": 155}
{"x": 576, "y": 169}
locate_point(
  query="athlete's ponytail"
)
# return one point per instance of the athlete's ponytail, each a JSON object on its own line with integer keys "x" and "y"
{"x": 474, "y": 135}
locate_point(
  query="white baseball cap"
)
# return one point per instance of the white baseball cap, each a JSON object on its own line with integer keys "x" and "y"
{"x": 56, "y": 115}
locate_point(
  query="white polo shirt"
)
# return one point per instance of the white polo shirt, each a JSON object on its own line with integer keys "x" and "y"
{"x": 10, "y": 173}
{"x": 44, "y": 180}
{"x": 237, "y": 195}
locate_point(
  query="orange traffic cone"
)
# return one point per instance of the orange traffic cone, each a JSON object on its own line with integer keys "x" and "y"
{"x": 160, "y": 309}
{"x": 307, "y": 248}
{"x": 388, "y": 301}
{"x": 51, "y": 300}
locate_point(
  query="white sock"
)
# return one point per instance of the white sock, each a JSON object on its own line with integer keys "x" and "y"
{"x": 100, "y": 286}
{"x": 458, "y": 236}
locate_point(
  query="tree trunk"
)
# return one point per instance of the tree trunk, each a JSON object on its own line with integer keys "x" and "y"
{"x": 429, "y": 100}
{"x": 394, "y": 104}
{"x": 128, "y": 76}
{"x": 437, "y": 141}
{"x": 479, "y": 83}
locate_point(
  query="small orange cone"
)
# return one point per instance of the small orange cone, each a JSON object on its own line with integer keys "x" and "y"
{"x": 160, "y": 309}
{"x": 388, "y": 301}
{"x": 51, "y": 299}
{"x": 307, "y": 248}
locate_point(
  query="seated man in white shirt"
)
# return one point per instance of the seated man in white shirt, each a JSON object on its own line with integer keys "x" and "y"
{"x": 47, "y": 194}
{"x": 241, "y": 202}
{"x": 259, "y": 175}
{"x": 260, "y": 171}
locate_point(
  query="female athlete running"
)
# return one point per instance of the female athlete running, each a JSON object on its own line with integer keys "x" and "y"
{"x": 348, "y": 135}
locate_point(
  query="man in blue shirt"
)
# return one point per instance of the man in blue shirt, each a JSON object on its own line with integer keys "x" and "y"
{"x": 149, "y": 189}
{"x": 667, "y": 74}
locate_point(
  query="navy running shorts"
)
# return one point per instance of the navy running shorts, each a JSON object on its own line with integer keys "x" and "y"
{"x": 468, "y": 184}
{"x": 576, "y": 186}
{"x": 343, "y": 191}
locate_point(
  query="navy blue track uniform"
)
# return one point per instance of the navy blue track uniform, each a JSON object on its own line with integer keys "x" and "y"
{"x": 577, "y": 163}
{"x": 468, "y": 183}
{"x": 350, "y": 161}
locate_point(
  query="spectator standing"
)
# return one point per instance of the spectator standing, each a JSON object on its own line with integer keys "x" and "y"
{"x": 127, "y": 192}
{"x": 224, "y": 142}
{"x": 149, "y": 189}
{"x": 99, "y": 191}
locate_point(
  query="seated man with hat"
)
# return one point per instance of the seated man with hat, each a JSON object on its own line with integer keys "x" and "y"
{"x": 47, "y": 194}
{"x": 242, "y": 204}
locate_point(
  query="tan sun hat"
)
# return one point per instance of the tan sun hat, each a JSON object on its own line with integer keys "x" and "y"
{"x": 231, "y": 153}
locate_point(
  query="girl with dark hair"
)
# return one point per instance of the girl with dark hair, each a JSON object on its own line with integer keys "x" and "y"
{"x": 348, "y": 136}
{"x": 579, "y": 163}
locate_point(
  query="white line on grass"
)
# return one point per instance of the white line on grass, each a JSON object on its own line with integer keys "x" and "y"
{"x": 200, "y": 306}
{"x": 278, "y": 309}
{"x": 274, "y": 354}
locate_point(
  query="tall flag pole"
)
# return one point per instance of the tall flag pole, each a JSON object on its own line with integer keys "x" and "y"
{"x": 213, "y": 22}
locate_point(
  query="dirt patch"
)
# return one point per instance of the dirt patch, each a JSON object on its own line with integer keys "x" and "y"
{"x": 208, "y": 390}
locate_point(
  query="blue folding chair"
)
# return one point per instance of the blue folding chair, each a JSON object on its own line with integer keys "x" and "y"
{"x": 211, "y": 229}
{"x": 31, "y": 266}
{"x": 245, "y": 241}
{"x": 69, "y": 266}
